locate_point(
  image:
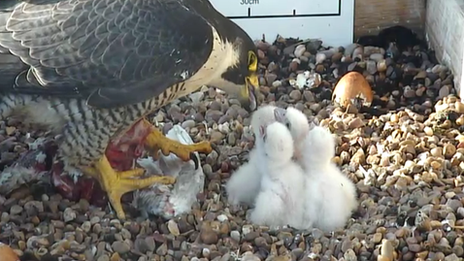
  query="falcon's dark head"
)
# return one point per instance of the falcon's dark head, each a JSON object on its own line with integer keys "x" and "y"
{"x": 238, "y": 63}
{"x": 242, "y": 74}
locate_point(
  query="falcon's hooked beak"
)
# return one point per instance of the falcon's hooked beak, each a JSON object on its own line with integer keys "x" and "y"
{"x": 241, "y": 79}
{"x": 248, "y": 93}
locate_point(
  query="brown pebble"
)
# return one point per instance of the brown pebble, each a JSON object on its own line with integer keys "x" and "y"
{"x": 295, "y": 95}
{"x": 115, "y": 257}
{"x": 7, "y": 253}
{"x": 208, "y": 236}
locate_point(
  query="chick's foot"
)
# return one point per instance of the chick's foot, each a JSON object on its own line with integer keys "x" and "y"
{"x": 116, "y": 184}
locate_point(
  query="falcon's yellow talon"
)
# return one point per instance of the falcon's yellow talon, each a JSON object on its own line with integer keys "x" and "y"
{"x": 116, "y": 184}
{"x": 156, "y": 141}
{"x": 133, "y": 173}
{"x": 92, "y": 172}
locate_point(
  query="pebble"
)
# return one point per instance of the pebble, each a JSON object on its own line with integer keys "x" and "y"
{"x": 377, "y": 57}
{"x": 15, "y": 210}
{"x": 120, "y": 247}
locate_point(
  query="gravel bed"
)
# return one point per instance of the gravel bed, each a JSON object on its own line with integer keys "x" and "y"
{"x": 405, "y": 153}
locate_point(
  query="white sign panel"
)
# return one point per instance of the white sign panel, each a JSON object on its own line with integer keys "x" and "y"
{"x": 329, "y": 20}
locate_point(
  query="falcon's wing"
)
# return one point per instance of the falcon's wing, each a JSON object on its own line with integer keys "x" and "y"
{"x": 111, "y": 52}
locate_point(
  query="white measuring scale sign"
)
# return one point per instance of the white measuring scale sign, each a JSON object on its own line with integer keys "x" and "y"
{"x": 329, "y": 20}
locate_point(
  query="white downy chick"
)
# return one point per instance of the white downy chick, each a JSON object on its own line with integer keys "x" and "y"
{"x": 243, "y": 185}
{"x": 280, "y": 197}
{"x": 330, "y": 195}
{"x": 297, "y": 122}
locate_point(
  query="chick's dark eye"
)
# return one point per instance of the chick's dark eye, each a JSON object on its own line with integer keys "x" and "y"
{"x": 288, "y": 125}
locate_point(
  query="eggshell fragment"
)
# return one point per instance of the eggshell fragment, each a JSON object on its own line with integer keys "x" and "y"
{"x": 353, "y": 89}
{"x": 7, "y": 254}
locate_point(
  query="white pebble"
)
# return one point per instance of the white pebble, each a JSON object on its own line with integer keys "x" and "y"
{"x": 222, "y": 218}
{"x": 299, "y": 50}
{"x": 196, "y": 97}
{"x": 320, "y": 58}
{"x": 247, "y": 229}
{"x": 69, "y": 215}
{"x": 276, "y": 84}
{"x": 301, "y": 81}
{"x": 206, "y": 251}
{"x": 235, "y": 235}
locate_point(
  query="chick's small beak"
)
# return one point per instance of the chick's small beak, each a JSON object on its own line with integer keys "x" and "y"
{"x": 248, "y": 93}
{"x": 279, "y": 114}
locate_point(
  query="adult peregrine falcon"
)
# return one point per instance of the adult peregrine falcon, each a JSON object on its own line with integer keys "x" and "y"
{"x": 89, "y": 69}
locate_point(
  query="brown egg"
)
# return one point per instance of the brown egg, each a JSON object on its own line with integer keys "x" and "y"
{"x": 353, "y": 89}
{"x": 7, "y": 254}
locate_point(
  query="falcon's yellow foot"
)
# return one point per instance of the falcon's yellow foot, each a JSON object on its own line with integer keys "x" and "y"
{"x": 157, "y": 141}
{"x": 116, "y": 184}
